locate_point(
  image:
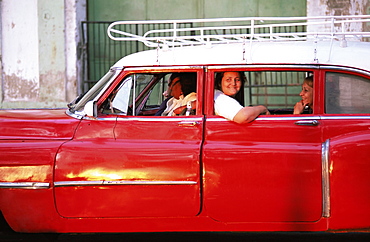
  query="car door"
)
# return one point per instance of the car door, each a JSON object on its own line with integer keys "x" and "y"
{"x": 346, "y": 130}
{"x": 128, "y": 162}
{"x": 268, "y": 170}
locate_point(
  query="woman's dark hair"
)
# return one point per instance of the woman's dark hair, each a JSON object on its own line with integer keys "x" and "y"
{"x": 240, "y": 95}
{"x": 188, "y": 83}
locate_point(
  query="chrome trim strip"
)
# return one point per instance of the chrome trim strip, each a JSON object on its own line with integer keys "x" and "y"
{"x": 161, "y": 68}
{"x": 325, "y": 178}
{"x": 274, "y": 66}
{"x": 178, "y": 119}
{"x": 98, "y": 183}
{"x": 74, "y": 115}
{"x": 330, "y": 68}
{"x": 344, "y": 117}
{"x": 269, "y": 118}
{"x": 25, "y": 185}
{"x": 100, "y": 119}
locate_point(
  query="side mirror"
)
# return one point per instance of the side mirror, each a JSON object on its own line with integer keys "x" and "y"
{"x": 90, "y": 109}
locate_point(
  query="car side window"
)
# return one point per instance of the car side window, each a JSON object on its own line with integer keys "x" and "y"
{"x": 278, "y": 90}
{"x": 135, "y": 95}
{"x": 148, "y": 94}
{"x": 346, "y": 94}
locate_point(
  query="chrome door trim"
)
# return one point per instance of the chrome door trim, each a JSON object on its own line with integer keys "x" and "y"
{"x": 268, "y": 118}
{"x": 343, "y": 117}
{"x": 281, "y": 118}
{"x": 105, "y": 183}
{"x": 161, "y": 118}
{"x": 25, "y": 185}
{"x": 325, "y": 178}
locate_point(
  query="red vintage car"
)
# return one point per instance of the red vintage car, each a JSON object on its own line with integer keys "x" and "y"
{"x": 107, "y": 163}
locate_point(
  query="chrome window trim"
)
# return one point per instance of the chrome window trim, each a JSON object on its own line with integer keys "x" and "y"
{"x": 269, "y": 118}
{"x": 74, "y": 115}
{"x": 108, "y": 183}
{"x": 293, "y": 118}
{"x": 344, "y": 117}
{"x": 274, "y": 66}
{"x": 325, "y": 178}
{"x": 344, "y": 68}
{"x": 99, "y": 118}
{"x": 149, "y": 69}
{"x": 161, "y": 118}
{"x": 25, "y": 185}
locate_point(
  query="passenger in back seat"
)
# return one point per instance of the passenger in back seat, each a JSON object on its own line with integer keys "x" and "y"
{"x": 305, "y": 106}
{"x": 184, "y": 92}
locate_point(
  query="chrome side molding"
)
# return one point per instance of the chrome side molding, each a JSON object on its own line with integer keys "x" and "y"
{"x": 25, "y": 185}
{"x": 325, "y": 162}
{"x": 99, "y": 183}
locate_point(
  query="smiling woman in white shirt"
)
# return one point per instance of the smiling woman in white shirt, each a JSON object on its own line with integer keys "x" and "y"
{"x": 228, "y": 85}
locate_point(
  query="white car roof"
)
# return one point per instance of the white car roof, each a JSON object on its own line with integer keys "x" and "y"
{"x": 355, "y": 54}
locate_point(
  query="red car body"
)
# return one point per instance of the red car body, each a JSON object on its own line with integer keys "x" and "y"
{"x": 70, "y": 170}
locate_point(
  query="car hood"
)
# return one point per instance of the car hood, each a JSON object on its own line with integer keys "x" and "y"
{"x": 37, "y": 124}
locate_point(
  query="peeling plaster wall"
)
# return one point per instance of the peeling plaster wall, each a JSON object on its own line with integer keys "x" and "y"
{"x": 338, "y": 8}
{"x": 20, "y": 51}
{"x": 71, "y": 50}
{"x": 51, "y": 54}
{"x": 75, "y": 12}
{"x": 38, "y": 55}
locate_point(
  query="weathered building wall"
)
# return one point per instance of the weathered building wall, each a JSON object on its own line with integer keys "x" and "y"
{"x": 19, "y": 51}
{"x": 339, "y": 8}
{"x": 38, "y": 52}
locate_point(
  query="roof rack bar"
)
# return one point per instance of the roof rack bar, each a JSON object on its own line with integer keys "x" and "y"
{"x": 256, "y": 29}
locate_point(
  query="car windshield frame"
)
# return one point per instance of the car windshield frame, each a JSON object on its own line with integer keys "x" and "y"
{"x": 96, "y": 90}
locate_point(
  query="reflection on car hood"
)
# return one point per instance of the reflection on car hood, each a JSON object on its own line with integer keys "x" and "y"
{"x": 36, "y": 124}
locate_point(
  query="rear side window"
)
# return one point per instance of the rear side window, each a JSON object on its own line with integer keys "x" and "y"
{"x": 278, "y": 90}
{"x": 346, "y": 94}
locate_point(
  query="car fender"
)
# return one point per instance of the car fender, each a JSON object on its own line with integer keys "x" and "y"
{"x": 350, "y": 180}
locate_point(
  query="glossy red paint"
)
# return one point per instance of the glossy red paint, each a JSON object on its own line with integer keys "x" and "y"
{"x": 278, "y": 170}
{"x": 36, "y": 124}
{"x": 136, "y": 154}
{"x": 349, "y": 172}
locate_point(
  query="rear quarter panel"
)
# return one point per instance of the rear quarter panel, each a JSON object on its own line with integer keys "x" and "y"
{"x": 350, "y": 181}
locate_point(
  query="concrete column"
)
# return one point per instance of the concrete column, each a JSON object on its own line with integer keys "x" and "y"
{"x": 39, "y": 63}
{"x": 20, "y": 60}
{"x": 75, "y": 13}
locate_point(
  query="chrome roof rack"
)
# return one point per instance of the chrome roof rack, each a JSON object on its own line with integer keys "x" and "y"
{"x": 239, "y": 30}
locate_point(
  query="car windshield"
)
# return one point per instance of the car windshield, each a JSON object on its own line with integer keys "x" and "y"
{"x": 79, "y": 103}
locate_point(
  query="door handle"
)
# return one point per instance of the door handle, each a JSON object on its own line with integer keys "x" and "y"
{"x": 188, "y": 123}
{"x": 307, "y": 122}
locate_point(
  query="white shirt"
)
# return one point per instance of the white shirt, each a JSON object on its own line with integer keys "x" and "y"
{"x": 174, "y": 103}
{"x": 226, "y": 106}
